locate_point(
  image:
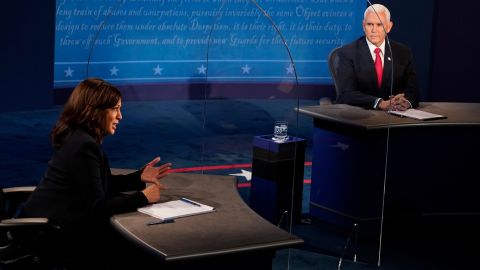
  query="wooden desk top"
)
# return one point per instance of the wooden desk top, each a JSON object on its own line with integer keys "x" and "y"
{"x": 458, "y": 114}
{"x": 232, "y": 228}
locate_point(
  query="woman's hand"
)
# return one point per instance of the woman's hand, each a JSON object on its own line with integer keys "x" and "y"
{"x": 152, "y": 174}
{"x": 152, "y": 192}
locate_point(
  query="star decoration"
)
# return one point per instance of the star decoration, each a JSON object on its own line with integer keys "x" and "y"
{"x": 290, "y": 69}
{"x": 157, "y": 70}
{"x": 114, "y": 71}
{"x": 246, "y": 69}
{"x": 340, "y": 145}
{"x": 202, "y": 69}
{"x": 69, "y": 72}
{"x": 244, "y": 173}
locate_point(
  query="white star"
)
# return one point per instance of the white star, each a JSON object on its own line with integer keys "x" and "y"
{"x": 114, "y": 71}
{"x": 202, "y": 69}
{"x": 246, "y": 69}
{"x": 157, "y": 70}
{"x": 69, "y": 72}
{"x": 244, "y": 173}
{"x": 290, "y": 69}
{"x": 340, "y": 145}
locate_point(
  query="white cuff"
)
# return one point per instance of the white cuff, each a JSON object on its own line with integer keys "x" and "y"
{"x": 377, "y": 101}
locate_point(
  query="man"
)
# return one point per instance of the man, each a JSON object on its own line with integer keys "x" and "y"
{"x": 358, "y": 67}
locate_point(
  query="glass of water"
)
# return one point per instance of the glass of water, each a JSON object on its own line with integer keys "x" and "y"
{"x": 280, "y": 131}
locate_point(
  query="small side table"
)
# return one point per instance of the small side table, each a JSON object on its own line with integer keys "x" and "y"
{"x": 277, "y": 178}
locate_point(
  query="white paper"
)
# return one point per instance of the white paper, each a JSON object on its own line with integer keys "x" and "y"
{"x": 175, "y": 209}
{"x": 417, "y": 114}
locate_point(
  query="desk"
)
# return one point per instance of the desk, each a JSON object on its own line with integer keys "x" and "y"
{"x": 233, "y": 234}
{"x": 429, "y": 169}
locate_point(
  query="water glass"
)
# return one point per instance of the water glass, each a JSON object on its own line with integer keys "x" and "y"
{"x": 280, "y": 131}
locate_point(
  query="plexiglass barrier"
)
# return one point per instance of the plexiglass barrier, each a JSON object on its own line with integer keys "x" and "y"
{"x": 204, "y": 83}
{"x": 235, "y": 67}
{"x": 252, "y": 83}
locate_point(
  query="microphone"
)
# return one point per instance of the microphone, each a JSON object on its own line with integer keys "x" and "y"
{"x": 389, "y": 49}
{"x": 388, "y": 139}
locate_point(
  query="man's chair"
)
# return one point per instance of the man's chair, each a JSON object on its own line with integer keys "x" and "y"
{"x": 15, "y": 250}
{"x": 333, "y": 66}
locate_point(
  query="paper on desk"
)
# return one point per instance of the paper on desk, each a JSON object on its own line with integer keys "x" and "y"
{"x": 418, "y": 114}
{"x": 175, "y": 209}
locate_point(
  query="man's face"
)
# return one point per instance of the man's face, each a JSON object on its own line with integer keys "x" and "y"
{"x": 373, "y": 28}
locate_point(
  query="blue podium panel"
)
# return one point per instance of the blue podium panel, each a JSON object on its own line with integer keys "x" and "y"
{"x": 277, "y": 178}
{"x": 426, "y": 171}
{"x": 339, "y": 193}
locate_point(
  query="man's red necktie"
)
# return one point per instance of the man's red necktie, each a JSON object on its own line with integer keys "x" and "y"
{"x": 378, "y": 66}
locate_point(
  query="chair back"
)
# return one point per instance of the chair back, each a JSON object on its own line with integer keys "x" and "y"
{"x": 2, "y": 204}
{"x": 24, "y": 242}
{"x": 333, "y": 67}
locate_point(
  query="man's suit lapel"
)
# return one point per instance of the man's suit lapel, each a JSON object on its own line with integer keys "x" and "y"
{"x": 387, "y": 68}
{"x": 366, "y": 57}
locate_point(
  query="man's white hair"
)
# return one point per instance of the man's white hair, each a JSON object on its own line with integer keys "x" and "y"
{"x": 378, "y": 8}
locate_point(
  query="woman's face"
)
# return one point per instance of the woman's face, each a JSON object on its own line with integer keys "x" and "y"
{"x": 114, "y": 115}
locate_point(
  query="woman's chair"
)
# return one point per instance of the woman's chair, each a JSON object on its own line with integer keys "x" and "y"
{"x": 15, "y": 250}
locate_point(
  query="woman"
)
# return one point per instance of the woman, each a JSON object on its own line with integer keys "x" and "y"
{"x": 78, "y": 192}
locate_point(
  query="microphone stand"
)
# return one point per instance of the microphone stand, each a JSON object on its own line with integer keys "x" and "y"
{"x": 388, "y": 140}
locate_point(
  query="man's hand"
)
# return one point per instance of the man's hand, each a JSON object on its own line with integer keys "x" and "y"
{"x": 400, "y": 103}
{"x": 395, "y": 103}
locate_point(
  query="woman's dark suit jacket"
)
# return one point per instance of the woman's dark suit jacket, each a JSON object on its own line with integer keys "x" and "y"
{"x": 79, "y": 193}
{"x": 356, "y": 77}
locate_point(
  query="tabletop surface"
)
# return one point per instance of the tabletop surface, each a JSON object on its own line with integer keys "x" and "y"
{"x": 456, "y": 114}
{"x": 233, "y": 227}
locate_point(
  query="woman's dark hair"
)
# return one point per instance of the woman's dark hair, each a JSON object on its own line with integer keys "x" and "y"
{"x": 86, "y": 108}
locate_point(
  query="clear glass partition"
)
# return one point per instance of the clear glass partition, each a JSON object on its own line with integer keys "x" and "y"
{"x": 203, "y": 84}
{"x": 252, "y": 84}
{"x": 137, "y": 46}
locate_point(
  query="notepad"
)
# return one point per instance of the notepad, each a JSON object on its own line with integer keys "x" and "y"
{"x": 418, "y": 114}
{"x": 176, "y": 209}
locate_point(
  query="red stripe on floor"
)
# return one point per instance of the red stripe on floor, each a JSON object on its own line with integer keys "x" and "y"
{"x": 243, "y": 185}
{"x": 247, "y": 185}
{"x": 231, "y": 166}
{"x": 219, "y": 167}
{"x": 209, "y": 168}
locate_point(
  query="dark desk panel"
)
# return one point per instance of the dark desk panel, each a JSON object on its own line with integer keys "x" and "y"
{"x": 429, "y": 169}
{"x": 233, "y": 231}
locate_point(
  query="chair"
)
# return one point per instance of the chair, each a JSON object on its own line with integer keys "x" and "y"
{"x": 14, "y": 252}
{"x": 333, "y": 66}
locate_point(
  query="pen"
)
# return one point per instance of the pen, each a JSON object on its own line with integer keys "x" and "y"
{"x": 161, "y": 221}
{"x": 189, "y": 201}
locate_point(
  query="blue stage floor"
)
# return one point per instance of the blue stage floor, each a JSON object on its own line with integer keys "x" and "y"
{"x": 211, "y": 137}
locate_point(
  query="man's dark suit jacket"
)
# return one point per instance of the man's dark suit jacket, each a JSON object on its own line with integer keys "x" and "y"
{"x": 79, "y": 193}
{"x": 356, "y": 78}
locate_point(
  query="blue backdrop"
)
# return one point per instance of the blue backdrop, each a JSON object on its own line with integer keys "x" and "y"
{"x": 170, "y": 40}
